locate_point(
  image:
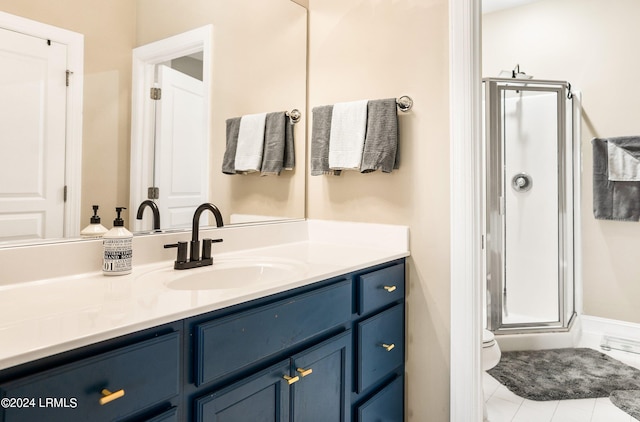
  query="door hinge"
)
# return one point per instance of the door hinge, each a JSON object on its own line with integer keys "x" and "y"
{"x": 68, "y": 77}
{"x": 153, "y": 193}
{"x": 156, "y": 93}
{"x": 64, "y": 194}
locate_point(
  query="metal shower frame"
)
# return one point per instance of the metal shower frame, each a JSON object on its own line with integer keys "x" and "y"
{"x": 495, "y": 217}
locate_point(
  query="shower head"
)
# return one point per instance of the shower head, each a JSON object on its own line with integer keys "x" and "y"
{"x": 514, "y": 74}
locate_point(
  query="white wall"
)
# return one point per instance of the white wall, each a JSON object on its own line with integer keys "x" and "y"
{"x": 590, "y": 43}
{"x": 380, "y": 49}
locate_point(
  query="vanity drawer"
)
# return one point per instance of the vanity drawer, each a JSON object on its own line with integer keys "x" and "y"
{"x": 379, "y": 288}
{"x": 231, "y": 343}
{"x": 148, "y": 372}
{"x": 170, "y": 415}
{"x": 386, "y": 406}
{"x": 380, "y": 346}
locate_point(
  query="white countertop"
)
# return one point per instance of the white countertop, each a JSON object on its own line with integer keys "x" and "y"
{"x": 44, "y": 317}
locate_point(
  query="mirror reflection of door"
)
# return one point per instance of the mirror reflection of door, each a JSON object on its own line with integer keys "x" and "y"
{"x": 32, "y": 137}
{"x": 170, "y": 136}
{"x": 181, "y": 169}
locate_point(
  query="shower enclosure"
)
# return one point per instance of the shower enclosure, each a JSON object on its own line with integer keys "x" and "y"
{"x": 529, "y": 205}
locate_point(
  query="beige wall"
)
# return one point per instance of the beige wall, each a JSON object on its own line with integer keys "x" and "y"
{"x": 259, "y": 65}
{"x": 590, "y": 44}
{"x": 379, "y": 49}
{"x": 109, "y": 33}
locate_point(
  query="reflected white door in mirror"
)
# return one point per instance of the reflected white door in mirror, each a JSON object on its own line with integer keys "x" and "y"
{"x": 39, "y": 148}
{"x": 170, "y": 127}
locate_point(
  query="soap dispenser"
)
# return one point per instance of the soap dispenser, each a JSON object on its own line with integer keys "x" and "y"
{"x": 118, "y": 248}
{"x": 94, "y": 230}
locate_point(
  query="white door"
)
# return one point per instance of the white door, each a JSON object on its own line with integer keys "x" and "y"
{"x": 182, "y": 153}
{"x": 32, "y": 136}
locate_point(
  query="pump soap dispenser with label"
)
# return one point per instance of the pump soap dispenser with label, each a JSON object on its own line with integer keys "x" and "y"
{"x": 118, "y": 248}
{"x": 94, "y": 230}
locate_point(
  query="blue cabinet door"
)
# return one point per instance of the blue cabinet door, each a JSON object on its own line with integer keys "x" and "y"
{"x": 322, "y": 393}
{"x": 263, "y": 397}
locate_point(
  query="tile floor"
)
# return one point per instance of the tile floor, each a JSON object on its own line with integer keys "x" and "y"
{"x": 504, "y": 406}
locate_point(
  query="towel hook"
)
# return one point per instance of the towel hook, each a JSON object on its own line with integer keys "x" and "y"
{"x": 404, "y": 103}
{"x": 294, "y": 115}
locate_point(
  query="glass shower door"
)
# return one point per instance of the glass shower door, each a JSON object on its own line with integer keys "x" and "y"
{"x": 529, "y": 191}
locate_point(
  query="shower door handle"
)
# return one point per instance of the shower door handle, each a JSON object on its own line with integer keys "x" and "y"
{"x": 521, "y": 182}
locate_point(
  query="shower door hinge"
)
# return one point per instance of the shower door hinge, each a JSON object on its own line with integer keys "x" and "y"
{"x": 482, "y": 241}
{"x": 156, "y": 93}
{"x": 153, "y": 193}
{"x": 68, "y": 77}
{"x": 64, "y": 193}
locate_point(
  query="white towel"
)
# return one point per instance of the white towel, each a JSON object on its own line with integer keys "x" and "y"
{"x": 346, "y": 140}
{"x": 623, "y": 167}
{"x": 250, "y": 143}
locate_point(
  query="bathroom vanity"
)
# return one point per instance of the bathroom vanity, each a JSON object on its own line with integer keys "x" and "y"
{"x": 325, "y": 344}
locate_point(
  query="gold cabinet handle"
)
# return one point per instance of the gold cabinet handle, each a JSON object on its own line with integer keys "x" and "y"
{"x": 304, "y": 372}
{"x": 388, "y": 347}
{"x": 390, "y": 288}
{"x": 291, "y": 380}
{"x": 108, "y": 396}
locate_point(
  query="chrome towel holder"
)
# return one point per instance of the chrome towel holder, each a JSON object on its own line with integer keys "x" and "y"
{"x": 404, "y": 103}
{"x": 294, "y": 115}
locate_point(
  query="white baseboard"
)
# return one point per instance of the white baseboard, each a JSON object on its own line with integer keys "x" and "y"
{"x": 597, "y": 327}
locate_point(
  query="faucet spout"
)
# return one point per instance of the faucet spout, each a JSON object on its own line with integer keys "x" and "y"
{"x": 154, "y": 209}
{"x": 196, "y": 219}
{"x": 195, "y": 229}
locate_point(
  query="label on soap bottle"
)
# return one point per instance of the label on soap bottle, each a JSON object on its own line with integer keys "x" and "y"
{"x": 117, "y": 256}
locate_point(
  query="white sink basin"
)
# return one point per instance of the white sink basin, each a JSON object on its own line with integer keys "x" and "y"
{"x": 229, "y": 274}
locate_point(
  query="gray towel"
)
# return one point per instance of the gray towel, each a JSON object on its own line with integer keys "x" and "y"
{"x": 229, "y": 159}
{"x": 624, "y": 158}
{"x": 320, "y": 131}
{"x": 381, "y": 141}
{"x": 289, "y": 161}
{"x": 274, "y": 143}
{"x": 612, "y": 200}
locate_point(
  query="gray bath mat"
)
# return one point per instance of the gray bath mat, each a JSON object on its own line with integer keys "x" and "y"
{"x": 560, "y": 374}
{"x": 629, "y": 401}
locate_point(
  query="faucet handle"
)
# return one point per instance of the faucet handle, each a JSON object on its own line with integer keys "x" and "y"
{"x": 182, "y": 251}
{"x": 206, "y": 247}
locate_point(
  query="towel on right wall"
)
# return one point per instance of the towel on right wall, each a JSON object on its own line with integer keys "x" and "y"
{"x": 358, "y": 135}
{"x": 616, "y": 178}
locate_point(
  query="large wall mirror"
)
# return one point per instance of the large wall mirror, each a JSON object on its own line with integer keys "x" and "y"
{"x": 257, "y": 64}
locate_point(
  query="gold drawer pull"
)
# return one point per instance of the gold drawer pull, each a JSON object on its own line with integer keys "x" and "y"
{"x": 108, "y": 396}
{"x": 389, "y": 288}
{"x": 388, "y": 347}
{"x": 291, "y": 380}
{"x": 304, "y": 372}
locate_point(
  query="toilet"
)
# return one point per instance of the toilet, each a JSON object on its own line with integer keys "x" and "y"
{"x": 490, "y": 350}
{"x": 490, "y": 358}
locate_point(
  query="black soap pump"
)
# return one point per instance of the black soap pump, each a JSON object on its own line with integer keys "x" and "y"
{"x": 94, "y": 230}
{"x": 118, "y": 248}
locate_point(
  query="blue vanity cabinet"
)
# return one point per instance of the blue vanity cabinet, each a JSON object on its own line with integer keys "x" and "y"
{"x": 331, "y": 351}
{"x": 236, "y": 342}
{"x": 380, "y": 345}
{"x": 124, "y": 383}
{"x": 385, "y": 406}
{"x": 322, "y": 393}
{"x": 294, "y": 352}
{"x": 312, "y": 386}
{"x": 262, "y": 397}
